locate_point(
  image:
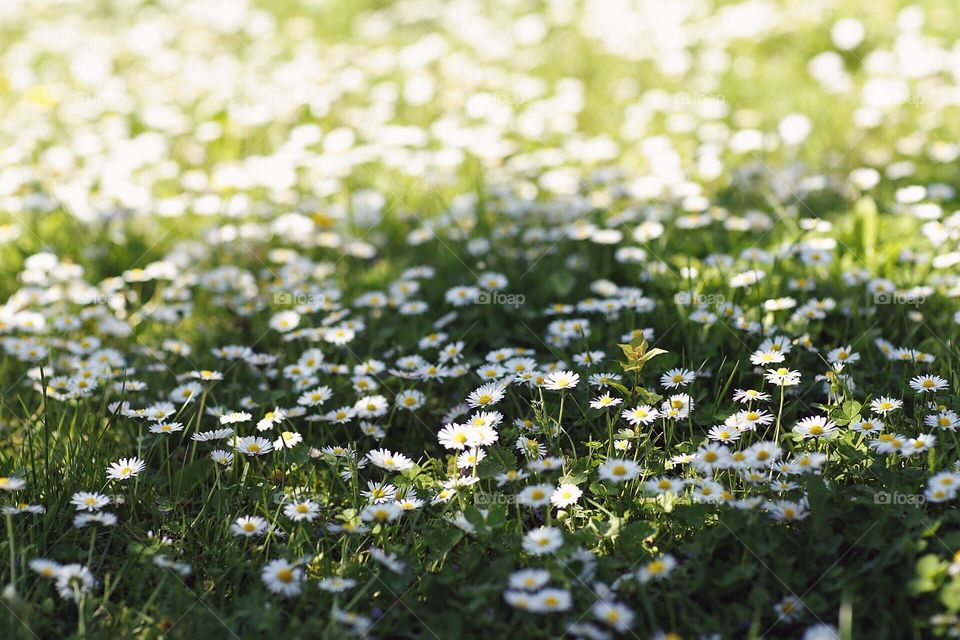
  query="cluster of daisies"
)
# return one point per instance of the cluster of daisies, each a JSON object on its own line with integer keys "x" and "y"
{"x": 341, "y": 407}
{"x": 343, "y": 371}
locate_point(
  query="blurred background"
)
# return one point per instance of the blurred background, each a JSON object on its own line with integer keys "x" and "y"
{"x": 133, "y": 123}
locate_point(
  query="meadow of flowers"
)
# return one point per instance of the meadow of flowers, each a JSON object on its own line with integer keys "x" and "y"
{"x": 455, "y": 319}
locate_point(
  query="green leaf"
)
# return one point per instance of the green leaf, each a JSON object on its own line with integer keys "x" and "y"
{"x": 950, "y": 595}
{"x": 929, "y": 569}
{"x": 562, "y": 282}
{"x": 633, "y": 535}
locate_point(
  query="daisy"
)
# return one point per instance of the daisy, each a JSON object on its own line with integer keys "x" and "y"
{"x": 884, "y": 405}
{"x": 549, "y": 600}
{"x": 761, "y": 357}
{"x": 603, "y": 380}
{"x": 928, "y": 384}
{"x": 207, "y": 375}
{"x": 643, "y": 414}
{"x": 160, "y": 411}
{"x": 23, "y": 507}
{"x": 378, "y": 492}
{"x": 724, "y": 433}
{"x": 282, "y": 578}
{"x": 371, "y": 406}
{"x": 866, "y": 426}
{"x": 921, "y": 443}
{"x": 710, "y": 457}
{"x": 470, "y": 458}
{"x": 763, "y": 454}
{"x": 454, "y": 436}
{"x": 536, "y": 495}
{"x": 663, "y": 485}
{"x": 529, "y": 579}
{"x": 510, "y": 476}
{"x": 336, "y": 585}
{"x": 410, "y": 400}
{"x": 385, "y": 459}
{"x": 342, "y": 415}
{"x": 306, "y": 510}
{"x": 787, "y": 511}
{"x": 315, "y": 397}
{"x": 12, "y": 483}
{"x": 750, "y": 420}
{"x": 815, "y": 427}
{"x": 221, "y": 457}
{"x": 613, "y": 614}
{"x": 73, "y": 581}
{"x": 87, "y": 501}
{"x": 520, "y": 600}
{"x": 45, "y": 568}
{"x": 938, "y": 494}
{"x": 125, "y": 468}
{"x": 270, "y": 419}
{"x": 789, "y": 608}
{"x": 560, "y": 380}
{"x": 782, "y": 377}
{"x": 605, "y": 402}
{"x": 542, "y": 541}
{"x": 842, "y": 354}
{"x": 616, "y": 470}
{"x": 675, "y": 378}
{"x": 565, "y": 495}
{"x": 657, "y": 569}
{"x": 409, "y": 503}
{"x": 948, "y": 480}
{"x": 707, "y": 491}
{"x": 287, "y": 440}
{"x": 235, "y": 417}
{"x": 166, "y": 427}
{"x": 254, "y": 446}
{"x": 99, "y": 517}
{"x": 749, "y": 395}
{"x": 549, "y": 463}
{"x": 249, "y": 526}
{"x": 948, "y": 420}
{"x": 285, "y": 321}
{"x": 485, "y": 396}
{"x": 382, "y": 512}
